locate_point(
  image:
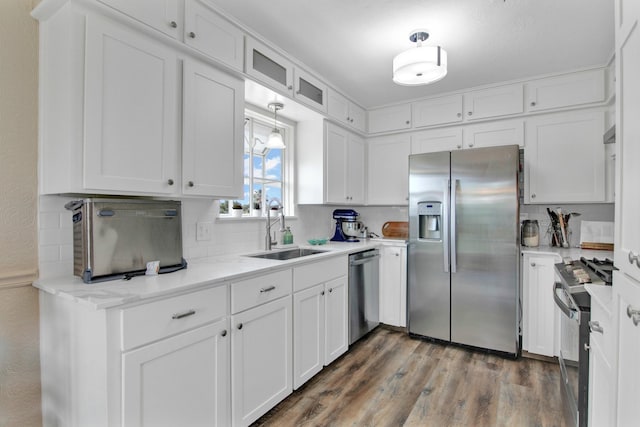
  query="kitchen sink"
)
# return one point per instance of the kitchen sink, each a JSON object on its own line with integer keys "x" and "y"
{"x": 287, "y": 254}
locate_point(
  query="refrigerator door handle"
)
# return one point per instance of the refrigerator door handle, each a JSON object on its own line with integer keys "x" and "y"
{"x": 445, "y": 226}
{"x": 452, "y": 221}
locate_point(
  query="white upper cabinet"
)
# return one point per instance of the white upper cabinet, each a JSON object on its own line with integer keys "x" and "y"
{"x": 437, "y": 111}
{"x": 388, "y": 170}
{"x": 346, "y": 112}
{"x": 130, "y": 111}
{"x": 199, "y": 26}
{"x": 213, "y": 35}
{"x": 565, "y": 158}
{"x": 213, "y": 114}
{"x": 565, "y": 91}
{"x": 493, "y": 134}
{"x": 493, "y": 102}
{"x": 310, "y": 90}
{"x": 432, "y": 141}
{"x": 268, "y": 66}
{"x": 163, "y": 15}
{"x": 388, "y": 119}
{"x": 344, "y": 168}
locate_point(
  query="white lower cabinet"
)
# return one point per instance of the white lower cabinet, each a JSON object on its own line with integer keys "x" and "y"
{"x": 320, "y": 317}
{"x": 539, "y": 309}
{"x": 182, "y": 380}
{"x": 261, "y": 359}
{"x": 601, "y": 406}
{"x": 393, "y": 284}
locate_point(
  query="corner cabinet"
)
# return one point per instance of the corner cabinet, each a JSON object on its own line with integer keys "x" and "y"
{"x": 565, "y": 158}
{"x": 388, "y": 154}
{"x": 344, "y": 174}
{"x": 111, "y": 114}
{"x": 539, "y": 314}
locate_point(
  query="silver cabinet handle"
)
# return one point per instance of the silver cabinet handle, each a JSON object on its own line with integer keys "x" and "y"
{"x": 322, "y": 293}
{"x": 330, "y": 290}
{"x": 267, "y": 289}
{"x": 533, "y": 264}
{"x": 470, "y": 113}
{"x": 170, "y": 182}
{"x": 634, "y": 315}
{"x": 192, "y": 35}
{"x": 289, "y": 87}
{"x": 407, "y": 122}
{"x": 173, "y": 24}
{"x": 239, "y": 325}
{"x": 470, "y": 145}
{"x": 533, "y": 196}
{"x": 594, "y": 326}
{"x": 183, "y": 314}
{"x": 190, "y": 184}
{"x": 224, "y": 333}
{"x": 459, "y": 115}
{"x": 634, "y": 258}
{"x": 397, "y": 254}
{"x": 533, "y": 103}
{"x": 458, "y": 146}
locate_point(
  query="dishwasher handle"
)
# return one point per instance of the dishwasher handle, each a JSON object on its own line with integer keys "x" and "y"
{"x": 363, "y": 258}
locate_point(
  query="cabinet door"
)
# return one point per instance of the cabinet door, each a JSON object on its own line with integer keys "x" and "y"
{"x": 494, "y": 102}
{"x": 131, "y": 141}
{"x": 388, "y": 173}
{"x": 213, "y": 131}
{"x": 437, "y": 111}
{"x": 627, "y": 294}
{"x": 357, "y": 117}
{"x": 505, "y": 132}
{"x": 601, "y": 405}
{"x": 355, "y": 169}
{"x": 309, "y": 90}
{"x": 268, "y": 66}
{"x": 627, "y": 242}
{"x": 539, "y": 312}
{"x": 393, "y": 286}
{"x": 261, "y": 350}
{"x": 389, "y": 119}
{"x": 336, "y": 141}
{"x": 433, "y": 141}
{"x": 213, "y": 35}
{"x": 183, "y": 380}
{"x": 564, "y": 159}
{"x": 338, "y": 107}
{"x": 336, "y": 319}
{"x": 308, "y": 333}
{"x": 564, "y": 91}
{"x": 163, "y": 15}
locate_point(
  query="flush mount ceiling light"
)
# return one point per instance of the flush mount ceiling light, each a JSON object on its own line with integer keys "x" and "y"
{"x": 275, "y": 137}
{"x": 420, "y": 65}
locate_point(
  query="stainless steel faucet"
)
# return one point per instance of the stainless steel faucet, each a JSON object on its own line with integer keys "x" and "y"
{"x": 267, "y": 238}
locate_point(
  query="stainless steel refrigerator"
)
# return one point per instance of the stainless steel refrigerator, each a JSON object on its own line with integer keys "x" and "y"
{"x": 463, "y": 251}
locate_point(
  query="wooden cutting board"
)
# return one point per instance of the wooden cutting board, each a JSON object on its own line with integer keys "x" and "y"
{"x": 597, "y": 246}
{"x": 396, "y": 229}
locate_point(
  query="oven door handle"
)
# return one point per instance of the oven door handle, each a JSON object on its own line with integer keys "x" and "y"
{"x": 568, "y": 311}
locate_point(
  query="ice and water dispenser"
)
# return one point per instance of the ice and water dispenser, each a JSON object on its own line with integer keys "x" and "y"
{"x": 430, "y": 221}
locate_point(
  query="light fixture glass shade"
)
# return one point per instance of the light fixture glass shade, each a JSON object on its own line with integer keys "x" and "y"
{"x": 275, "y": 140}
{"x": 420, "y": 66}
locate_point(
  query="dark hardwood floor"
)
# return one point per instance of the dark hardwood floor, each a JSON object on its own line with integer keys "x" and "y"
{"x": 390, "y": 379}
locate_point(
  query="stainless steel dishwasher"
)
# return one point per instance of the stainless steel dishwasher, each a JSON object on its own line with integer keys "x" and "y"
{"x": 364, "y": 293}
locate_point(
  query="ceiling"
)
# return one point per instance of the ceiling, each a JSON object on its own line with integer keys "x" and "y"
{"x": 351, "y": 43}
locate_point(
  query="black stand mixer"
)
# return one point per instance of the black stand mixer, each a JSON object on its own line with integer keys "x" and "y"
{"x": 347, "y": 225}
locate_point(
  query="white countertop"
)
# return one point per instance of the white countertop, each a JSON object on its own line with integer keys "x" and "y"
{"x": 200, "y": 272}
{"x": 573, "y": 253}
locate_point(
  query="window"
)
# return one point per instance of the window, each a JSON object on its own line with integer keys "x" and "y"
{"x": 267, "y": 172}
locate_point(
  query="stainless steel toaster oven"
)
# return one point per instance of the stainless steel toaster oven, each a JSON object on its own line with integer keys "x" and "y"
{"x": 116, "y": 238}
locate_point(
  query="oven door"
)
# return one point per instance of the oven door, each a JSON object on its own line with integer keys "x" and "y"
{"x": 569, "y": 349}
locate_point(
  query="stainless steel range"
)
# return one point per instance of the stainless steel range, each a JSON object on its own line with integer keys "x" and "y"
{"x": 575, "y": 303}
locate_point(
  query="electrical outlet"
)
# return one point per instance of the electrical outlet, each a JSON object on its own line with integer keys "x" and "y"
{"x": 203, "y": 231}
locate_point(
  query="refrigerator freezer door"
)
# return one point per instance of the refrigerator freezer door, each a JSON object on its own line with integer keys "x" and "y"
{"x": 484, "y": 286}
{"x": 428, "y": 281}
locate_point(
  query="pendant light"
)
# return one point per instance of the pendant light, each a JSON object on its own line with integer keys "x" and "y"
{"x": 275, "y": 137}
{"x": 420, "y": 65}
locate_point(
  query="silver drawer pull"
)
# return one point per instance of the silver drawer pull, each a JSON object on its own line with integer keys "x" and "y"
{"x": 267, "y": 289}
{"x": 634, "y": 315}
{"x": 594, "y": 326}
{"x": 183, "y": 314}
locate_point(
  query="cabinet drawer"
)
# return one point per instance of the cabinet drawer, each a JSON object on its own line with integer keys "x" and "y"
{"x": 149, "y": 322}
{"x": 308, "y": 275}
{"x": 252, "y": 292}
{"x": 603, "y": 339}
